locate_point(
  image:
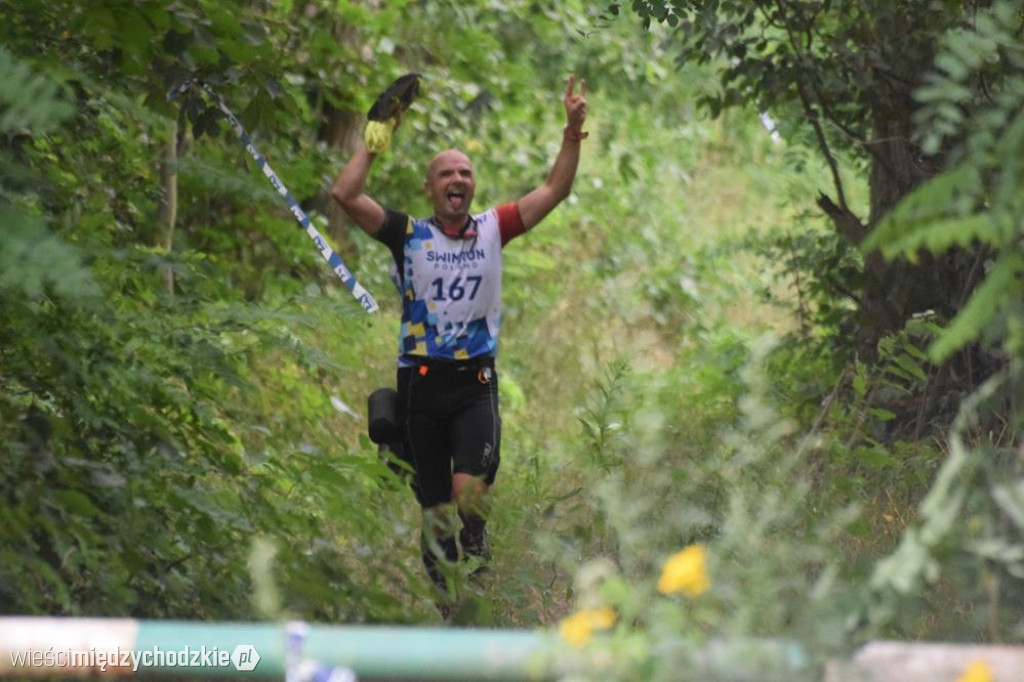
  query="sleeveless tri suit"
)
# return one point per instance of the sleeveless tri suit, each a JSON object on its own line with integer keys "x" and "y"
{"x": 451, "y": 316}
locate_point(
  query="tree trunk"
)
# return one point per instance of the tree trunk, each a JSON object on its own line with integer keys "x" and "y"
{"x": 894, "y": 291}
{"x": 939, "y": 283}
{"x": 169, "y": 202}
{"x": 340, "y": 129}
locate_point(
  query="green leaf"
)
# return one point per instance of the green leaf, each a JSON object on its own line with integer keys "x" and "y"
{"x": 912, "y": 368}
{"x": 998, "y": 549}
{"x": 76, "y": 502}
{"x": 952, "y": 66}
{"x": 28, "y": 102}
{"x": 32, "y": 259}
{"x": 876, "y": 458}
{"x": 969, "y": 48}
{"x": 881, "y": 414}
{"x": 1001, "y": 284}
{"x": 1010, "y": 499}
{"x": 902, "y": 229}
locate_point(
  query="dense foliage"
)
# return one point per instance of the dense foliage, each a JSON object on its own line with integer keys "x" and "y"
{"x": 854, "y": 79}
{"x": 182, "y": 379}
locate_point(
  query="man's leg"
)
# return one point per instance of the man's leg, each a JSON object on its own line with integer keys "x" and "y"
{"x": 470, "y": 493}
{"x": 437, "y": 543}
{"x": 426, "y": 445}
{"x": 477, "y": 443}
{"x": 437, "y": 534}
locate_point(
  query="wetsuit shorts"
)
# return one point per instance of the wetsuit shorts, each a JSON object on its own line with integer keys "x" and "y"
{"x": 450, "y": 413}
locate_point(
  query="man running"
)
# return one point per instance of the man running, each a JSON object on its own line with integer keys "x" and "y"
{"x": 448, "y": 270}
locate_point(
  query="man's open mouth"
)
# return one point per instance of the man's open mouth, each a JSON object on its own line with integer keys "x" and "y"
{"x": 456, "y": 199}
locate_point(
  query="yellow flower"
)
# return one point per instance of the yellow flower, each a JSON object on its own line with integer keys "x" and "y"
{"x": 579, "y": 628}
{"x": 686, "y": 572}
{"x": 977, "y": 671}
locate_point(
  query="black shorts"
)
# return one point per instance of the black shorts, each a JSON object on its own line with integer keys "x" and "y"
{"x": 450, "y": 413}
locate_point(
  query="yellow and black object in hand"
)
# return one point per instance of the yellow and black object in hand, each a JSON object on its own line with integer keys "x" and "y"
{"x": 377, "y": 135}
{"x": 386, "y": 112}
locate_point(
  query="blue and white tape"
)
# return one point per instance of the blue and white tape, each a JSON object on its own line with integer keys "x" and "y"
{"x": 332, "y": 258}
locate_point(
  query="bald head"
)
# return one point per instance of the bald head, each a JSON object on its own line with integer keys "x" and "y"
{"x": 450, "y": 185}
{"x": 445, "y": 158}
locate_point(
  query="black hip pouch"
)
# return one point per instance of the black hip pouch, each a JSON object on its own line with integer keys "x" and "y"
{"x": 382, "y": 411}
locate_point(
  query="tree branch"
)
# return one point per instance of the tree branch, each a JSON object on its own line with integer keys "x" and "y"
{"x": 852, "y": 230}
{"x": 866, "y": 145}
{"x": 847, "y": 224}
{"x": 812, "y": 117}
{"x": 812, "y": 113}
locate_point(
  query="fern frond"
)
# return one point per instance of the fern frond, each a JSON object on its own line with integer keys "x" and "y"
{"x": 33, "y": 260}
{"x": 905, "y": 228}
{"x": 1002, "y": 286}
{"x": 942, "y": 235}
{"x": 28, "y": 101}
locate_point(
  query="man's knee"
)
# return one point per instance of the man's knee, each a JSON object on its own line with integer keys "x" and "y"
{"x": 469, "y": 492}
{"x": 439, "y": 521}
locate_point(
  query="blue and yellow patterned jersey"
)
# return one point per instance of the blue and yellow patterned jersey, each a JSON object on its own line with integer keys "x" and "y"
{"x": 450, "y": 285}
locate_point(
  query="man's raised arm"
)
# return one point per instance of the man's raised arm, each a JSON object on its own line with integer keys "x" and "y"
{"x": 541, "y": 201}
{"x": 349, "y": 191}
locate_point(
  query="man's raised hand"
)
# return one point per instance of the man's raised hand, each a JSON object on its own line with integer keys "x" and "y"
{"x": 575, "y": 108}
{"x": 385, "y": 115}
